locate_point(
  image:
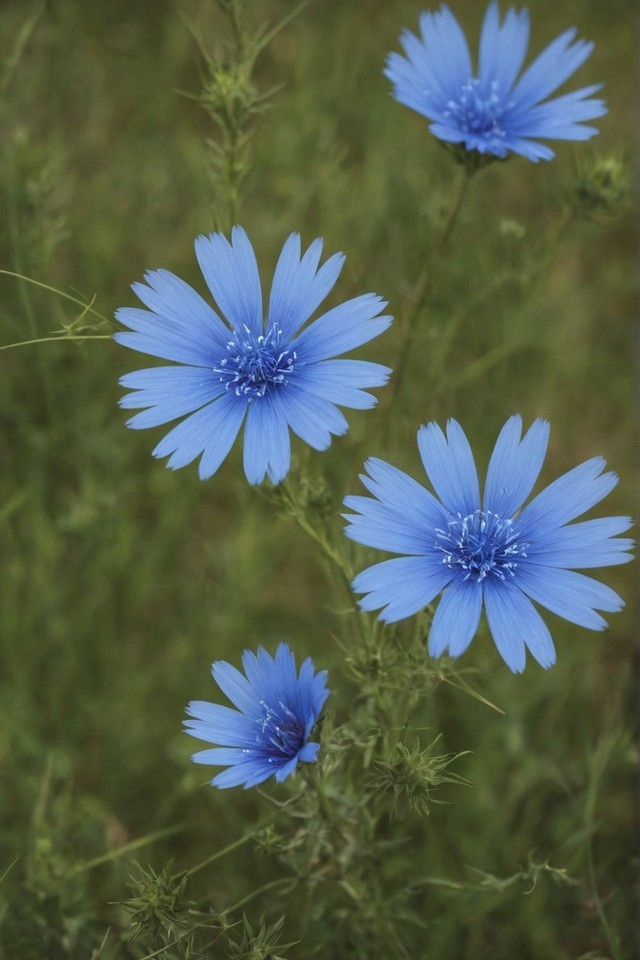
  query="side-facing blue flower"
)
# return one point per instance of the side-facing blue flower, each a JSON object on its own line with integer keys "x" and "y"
{"x": 268, "y": 371}
{"x": 491, "y": 111}
{"x": 268, "y": 733}
{"x": 490, "y": 553}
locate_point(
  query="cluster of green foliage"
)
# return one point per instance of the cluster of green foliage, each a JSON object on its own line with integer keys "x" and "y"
{"x": 456, "y": 810}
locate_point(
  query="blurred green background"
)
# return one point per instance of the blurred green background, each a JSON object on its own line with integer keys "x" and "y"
{"x": 121, "y": 581}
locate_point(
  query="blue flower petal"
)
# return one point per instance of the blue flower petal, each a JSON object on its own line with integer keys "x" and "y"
{"x": 402, "y": 494}
{"x": 503, "y": 48}
{"x": 252, "y": 772}
{"x": 409, "y": 83}
{"x": 231, "y": 273}
{"x": 152, "y": 383}
{"x": 583, "y": 545}
{"x": 222, "y": 756}
{"x": 456, "y": 620}
{"x": 236, "y": 687}
{"x": 311, "y": 418}
{"x": 163, "y": 338}
{"x": 306, "y": 689}
{"x": 571, "y": 595}
{"x": 445, "y": 49}
{"x": 403, "y": 519}
{"x": 274, "y": 677}
{"x": 285, "y": 668}
{"x": 210, "y": 431}
{"x": 403, "y": 586}
{"x": 561, "y": 118}
{"x": 436, "y": 66}
{"x": 221, "y": 725}
{"x": 386, "y": 529}
{"x": 344, "y": 328}
{"x": 287, "y": 769}
{"x": 531, "y": 149}
{"x": 567, "y": 497}
{"x": 526, "y": 622}
{"x": 341, "y": 381}
{"x": 298, "y": 286}
{"x": 450, "y": 466}
{"x": 267, "y": 447}
{"x": 169, "y": 392}
{"x": 170, "y": 297}
{"x": 505, "y": 624}
{"x": 557, "y": 62}
{"x": 318, "y": 693}
{"x": 515, "y": 465}
{"x": 309, "y": 752}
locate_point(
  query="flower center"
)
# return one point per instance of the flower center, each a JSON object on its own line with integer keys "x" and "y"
{"x": 253, "y": 364}
{"x": 478, "y": 109}
{"x": 481, "y": 545}
{"x": 281, "y": 733}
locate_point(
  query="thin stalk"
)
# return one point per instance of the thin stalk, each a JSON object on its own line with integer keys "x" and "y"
{"x": 280, "y": 25}
{"x": 69, "y": 337}
{"x": 339, "y": 564}
{"x": 9, "y": 869}
{"x": 338, "y": 561}
{"x": 589, "y": 817}
{"x": 27, "y": 304}
{"x": 161, "y": 950}
{"x": 127, "y": 848}
{"x": 291, "y": 882}
{"x": 229, "y": 848}
{"x": 423, "y": 288}
{"x": 454, "y": 212}
{"x": 45, "y": 286}
{"x": 523, "y": 334}
{"x": 463, "y": 685}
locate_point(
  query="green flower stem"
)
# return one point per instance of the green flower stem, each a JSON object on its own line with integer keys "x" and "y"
{"x": 290, "y": 882}
{"x": 70, "y": 329}
{"x": 69, "y": 337}
{"x": 343, "y": 571}
{"x": 339, "y": 562}
{"x": 25, "y": 296}
{"x": 523, "y": 334}
{"x": 161, "y": 950}
{"x": 423, "y": 288}
{"x": 460, "y": 684}
{"x": 250, "y": 835}
{"x": 87, "y": 307}
{"x": 598, "y": 765}
{"x": 314, "y": 778}
{"x": 456, "y": 207}
{"x": 126, "y": 848}
{"x": 440, "y": 348}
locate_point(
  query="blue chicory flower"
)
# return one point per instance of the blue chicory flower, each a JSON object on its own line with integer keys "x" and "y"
{"x": 492, "y": 553}
{"x": 269, "y": 732}
{"x": 492, "y": 111}
{"x": 268, "y": 373}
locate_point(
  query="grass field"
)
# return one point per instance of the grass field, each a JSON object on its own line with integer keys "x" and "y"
{"x": 122, "y": 581}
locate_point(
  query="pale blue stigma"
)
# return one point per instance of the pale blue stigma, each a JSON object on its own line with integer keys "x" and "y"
{"x": 281, "y": 734}
{"x": 481, "y": 545}
{"x": 255, "y": 365}
{"x": 478, "y": 109}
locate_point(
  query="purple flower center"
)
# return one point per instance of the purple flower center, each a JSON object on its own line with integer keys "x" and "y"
{"x": 253, "y": 365}
{"x": 478, "y": 109}
{"x": 481, "y": 545}
{"x": 282, "y": 734}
